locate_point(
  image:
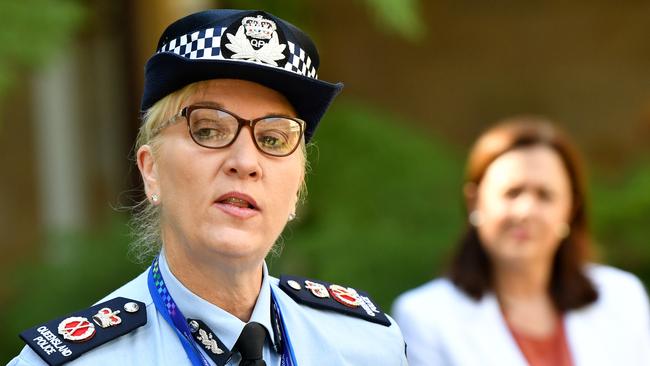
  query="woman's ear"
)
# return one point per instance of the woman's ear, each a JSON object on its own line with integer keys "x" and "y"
{"x": 470, "y": 192}
{"x": 148, "y": 170}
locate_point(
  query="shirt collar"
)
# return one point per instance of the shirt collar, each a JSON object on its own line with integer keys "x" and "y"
{"x": 225, "y": 325}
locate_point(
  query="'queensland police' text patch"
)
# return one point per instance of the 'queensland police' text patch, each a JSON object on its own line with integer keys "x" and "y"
{"x": 64, "y": 339}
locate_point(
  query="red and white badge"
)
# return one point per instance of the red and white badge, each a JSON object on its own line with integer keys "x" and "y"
{"x": 316, "y": 289}
{"x": 346, "y": 296}
{"x": 76, "y": 329}
{"x": 107, "y": 318}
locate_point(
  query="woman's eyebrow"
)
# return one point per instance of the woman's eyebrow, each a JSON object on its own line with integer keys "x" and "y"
{"x": 275, "y": 114}
{"x": 208, "y": 103}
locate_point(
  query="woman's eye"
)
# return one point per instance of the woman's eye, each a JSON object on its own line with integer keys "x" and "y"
{"x": 209, "y": 130}
{"x": 210, "y": 133}
{"x": 513, "y": 192}
{"x": 272, "y": 140}
{"x": 545, "y": 195}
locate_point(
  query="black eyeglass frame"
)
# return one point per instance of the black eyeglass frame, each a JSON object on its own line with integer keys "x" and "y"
{"x": 187, "y": 111}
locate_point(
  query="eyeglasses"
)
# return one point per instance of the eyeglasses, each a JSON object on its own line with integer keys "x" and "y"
{"x": 216, "y": 128}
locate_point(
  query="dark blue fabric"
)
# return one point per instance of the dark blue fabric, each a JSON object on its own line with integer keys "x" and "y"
{"x": 66, "y": 350}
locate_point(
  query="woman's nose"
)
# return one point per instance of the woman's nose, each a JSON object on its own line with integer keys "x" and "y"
{"x": 243, "y": 157}
{"x": 525, "y": 205}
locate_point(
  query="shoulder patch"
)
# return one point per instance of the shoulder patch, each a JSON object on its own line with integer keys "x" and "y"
{"x": 328, "y": 296}
{"x": 64, "y": 339}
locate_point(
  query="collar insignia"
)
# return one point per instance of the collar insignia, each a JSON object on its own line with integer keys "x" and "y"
{"x": 211, "y": 344}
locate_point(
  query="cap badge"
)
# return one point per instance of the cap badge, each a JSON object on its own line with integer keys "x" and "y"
{"x": 259, "y": 27}
{"x": 316, "y": 289}
{"x": 346, "y": 296}
{"x": 256, "y": 40}
{"x": 107, "y": 318}
{"x": 76, "y": 329}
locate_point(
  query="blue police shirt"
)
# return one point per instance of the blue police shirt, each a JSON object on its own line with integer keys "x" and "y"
{"x": 319, "y": 337}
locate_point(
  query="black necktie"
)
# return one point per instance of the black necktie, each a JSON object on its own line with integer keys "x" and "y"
{"x": 250, "y": 345}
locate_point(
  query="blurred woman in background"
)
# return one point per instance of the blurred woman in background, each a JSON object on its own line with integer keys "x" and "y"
{"x": 520, "y": 289}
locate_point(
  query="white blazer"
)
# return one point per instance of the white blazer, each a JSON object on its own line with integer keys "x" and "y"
{"x": 443, "y": 326}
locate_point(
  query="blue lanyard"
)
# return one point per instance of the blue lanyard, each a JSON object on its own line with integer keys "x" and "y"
{"x": 172, "y": 314}
{"x": 288, "y": 356}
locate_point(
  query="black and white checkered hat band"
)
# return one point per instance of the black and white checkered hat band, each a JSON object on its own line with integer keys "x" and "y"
{"x": 206, "y": 45}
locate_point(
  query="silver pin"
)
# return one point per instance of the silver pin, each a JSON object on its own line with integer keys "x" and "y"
{"x": 294, "y": 285}
{"x": 194, "y": 326}
{"x": 131, "y": 307}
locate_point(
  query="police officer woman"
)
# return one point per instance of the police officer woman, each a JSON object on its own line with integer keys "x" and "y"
{"x": 230, "y": 99}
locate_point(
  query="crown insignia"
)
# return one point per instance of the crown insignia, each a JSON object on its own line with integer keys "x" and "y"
{"x": 258, "y": 27}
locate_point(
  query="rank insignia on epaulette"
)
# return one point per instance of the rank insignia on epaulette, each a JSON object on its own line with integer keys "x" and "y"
{"x": 107, "y": 318}
{"x": 328, "y": 296}
{"x": 64, "y": 339}
{"x": 316, "y": 289}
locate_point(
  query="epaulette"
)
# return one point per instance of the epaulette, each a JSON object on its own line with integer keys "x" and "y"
{"x": 328, "y": 296}
{"x": 64, "y": 339}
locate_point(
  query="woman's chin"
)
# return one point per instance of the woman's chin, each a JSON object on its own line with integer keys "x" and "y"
{"x": 235, "y": 244}
{"x": 515, "y": 253}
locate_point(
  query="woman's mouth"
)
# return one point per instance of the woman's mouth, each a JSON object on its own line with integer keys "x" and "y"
{"x": 237, "y": 204}
{"x": 520, "y": 234}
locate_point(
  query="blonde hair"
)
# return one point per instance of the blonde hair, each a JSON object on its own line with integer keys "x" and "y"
{"x": 145, "y": 220}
